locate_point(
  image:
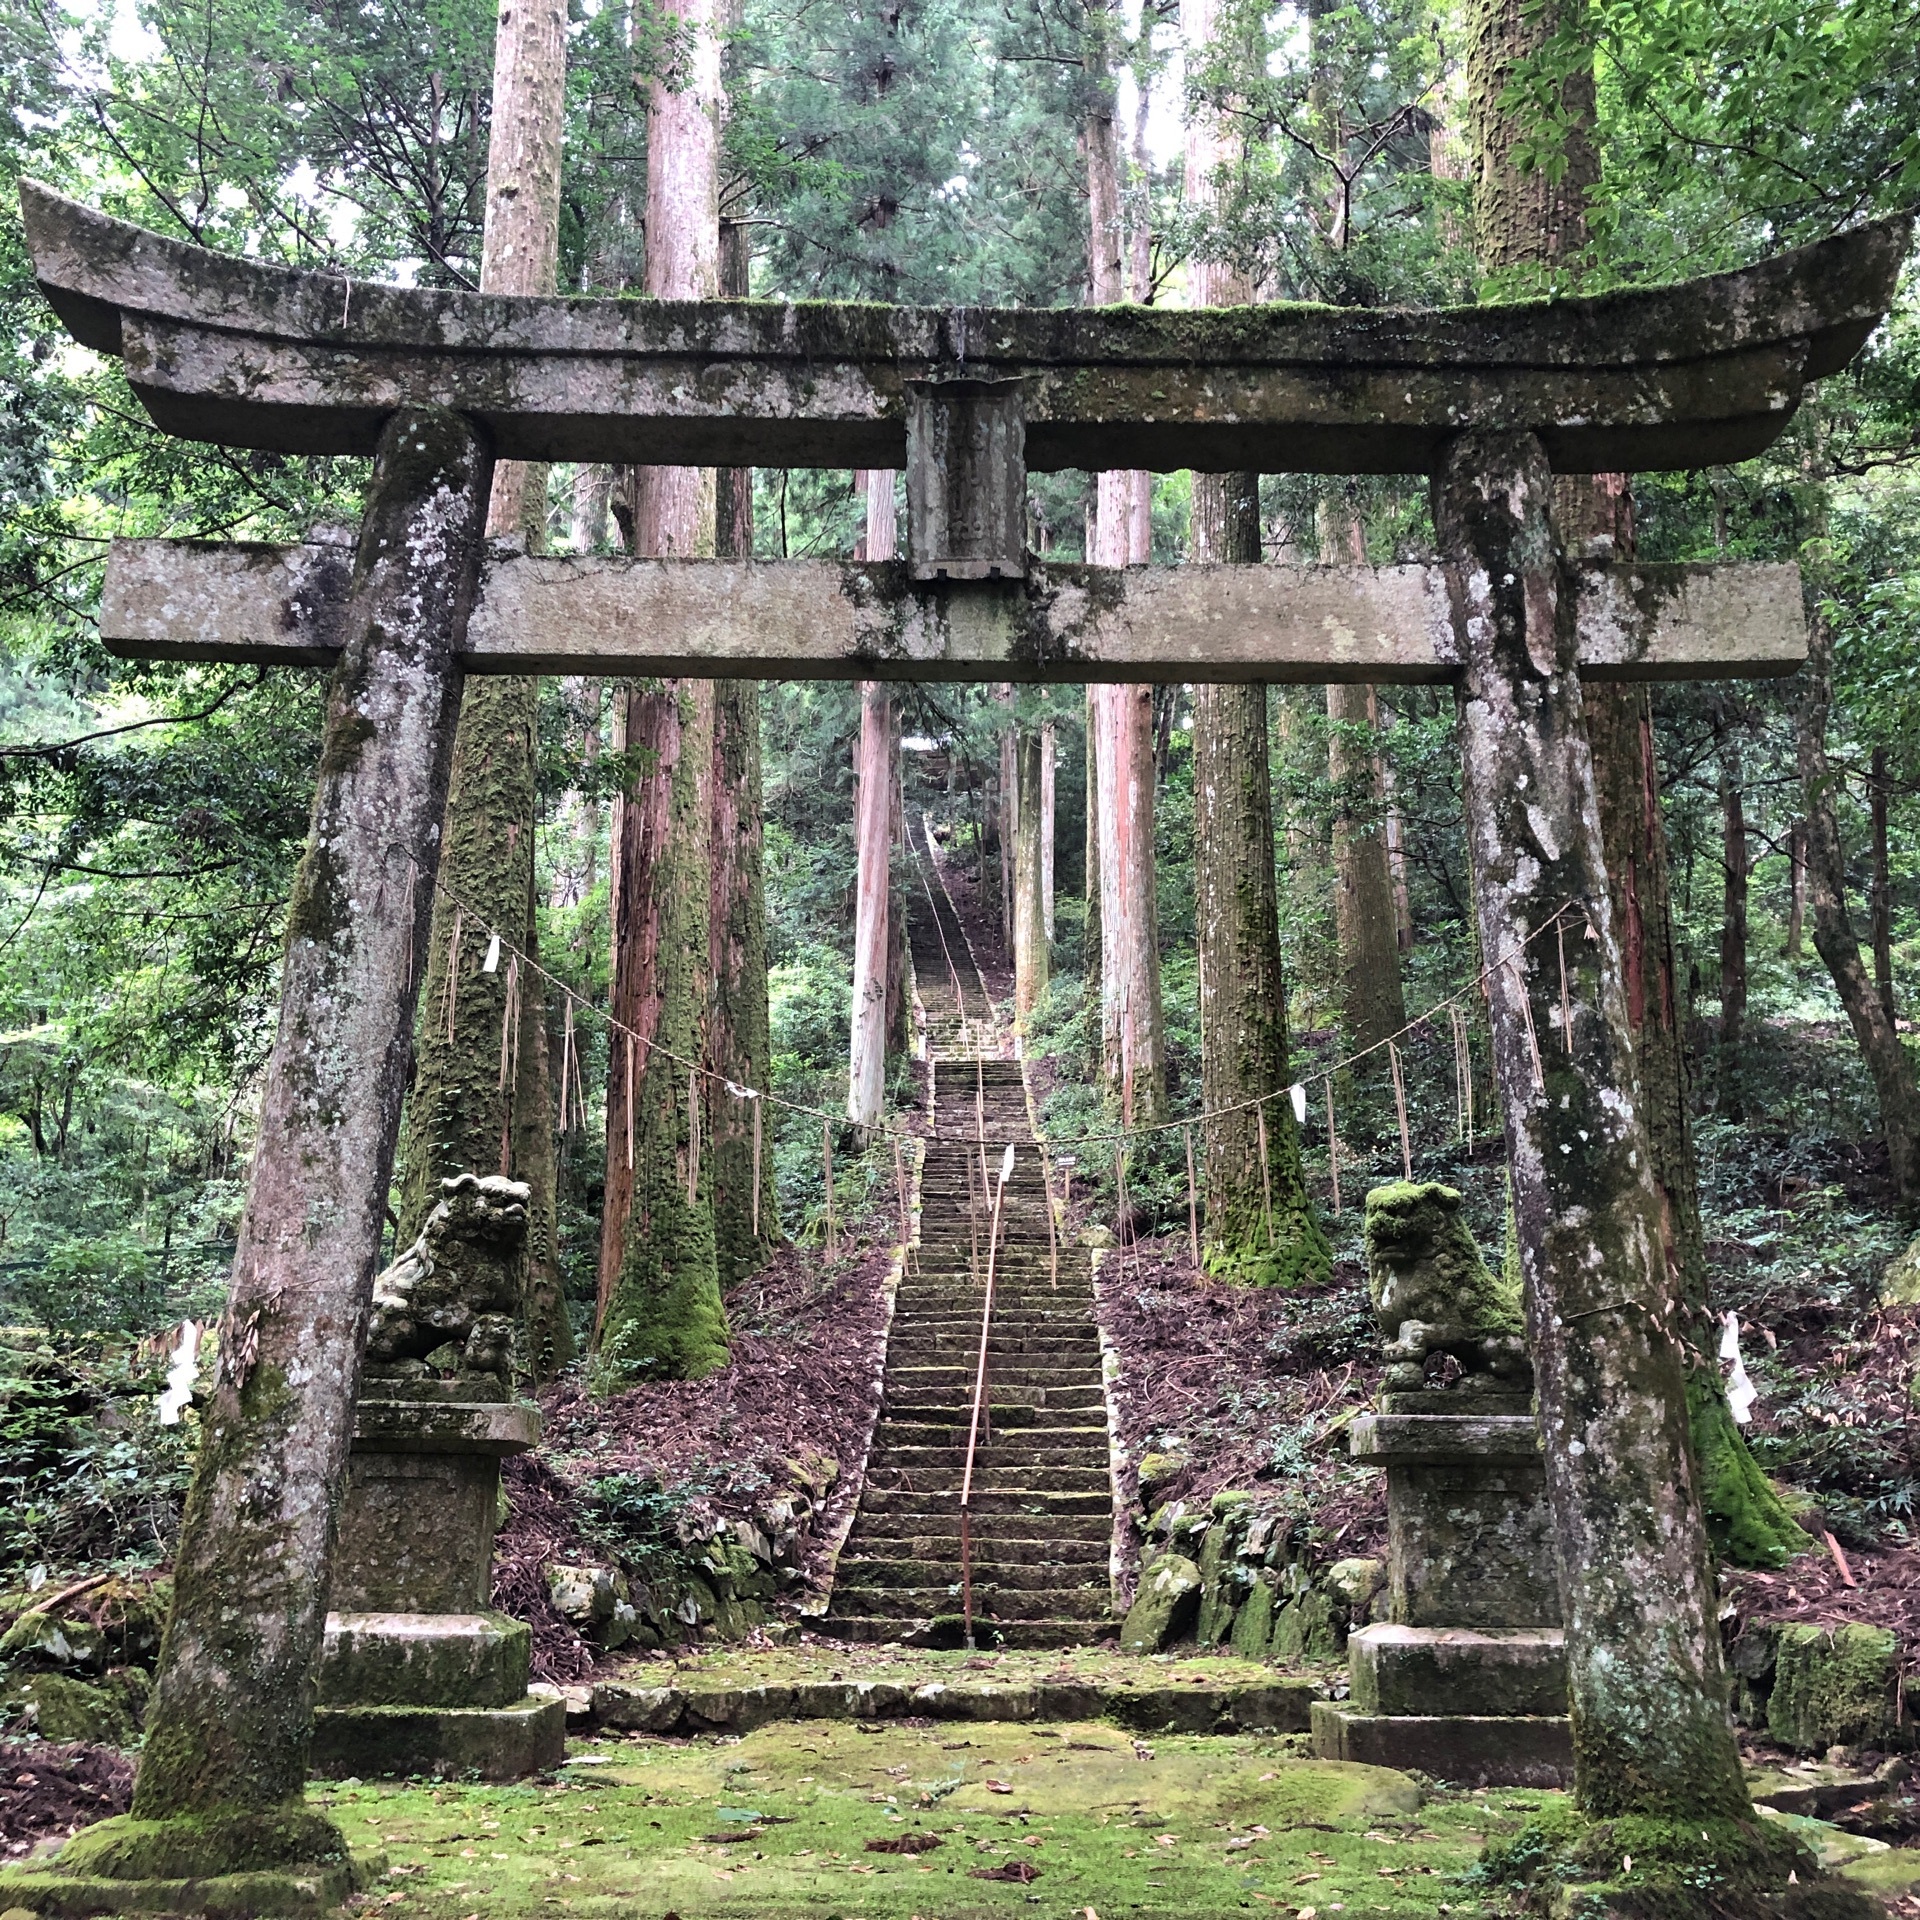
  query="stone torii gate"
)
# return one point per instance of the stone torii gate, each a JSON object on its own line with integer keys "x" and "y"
{"x": 1488, "y": 402}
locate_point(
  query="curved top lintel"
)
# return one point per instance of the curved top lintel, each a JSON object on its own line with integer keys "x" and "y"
{"x": 225, "y": 348}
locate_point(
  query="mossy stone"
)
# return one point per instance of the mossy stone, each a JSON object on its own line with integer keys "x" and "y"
{"x": 43, "y": 1640}
{"x": 1253, "y": 1624}
{"x": 1900, "y": 1284}
{"x": 1306, "y": 1630}
{"x": 1422, "y": 1263}
{"x": 1834, "y": 1686}
{"x": 1165, "y": 1607}
{"x": 103, "y": 1714}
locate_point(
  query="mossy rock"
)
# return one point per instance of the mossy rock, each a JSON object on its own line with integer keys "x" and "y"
{"x": 40, "y": 1639}
{"x": 1165, "y": 1607}
{"x": 99, "y": 1713}
{"x": 1157, "y": 1472}
{"x": 1307, "y": 1630}
{"x": 1900, "y": 1284}
{"x": 1354, "y": 1583}
{"x": 1253, "y": 1624}
{"x": 198, "y": 1846}
{"x": 1835, "y": 1686}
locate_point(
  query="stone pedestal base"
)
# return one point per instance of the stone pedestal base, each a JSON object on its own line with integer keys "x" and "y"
{"x": 416, "y": 1675}
{"x": 1441, "y": 1670}
{"x": 1466, "y": 1750}
{"x": 493, "y": 1743}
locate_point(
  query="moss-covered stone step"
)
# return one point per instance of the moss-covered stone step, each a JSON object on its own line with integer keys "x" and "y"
{"x": 1038, "y": 1458}
{"x": 1272, "y": 1704}
{"x": 1004, "y": 1397}
{"x": 1019, "y": 1635}
{"x": 991, "y": 1601}
{"x": 1041, "y": 1506}
{"x": 1029, "y": 1575}
{"x": 1052, "y": 1346}
{"x": 1009, "y": 1535}
{"x": 896, "y": 1432}
{"x": 987, "y": 1478}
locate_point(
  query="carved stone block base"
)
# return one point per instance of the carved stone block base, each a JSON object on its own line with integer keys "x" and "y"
{"x": 1442, "y": 1670}
{"x": 1467, "y": 1750}
{"x": 496, "y": 1743}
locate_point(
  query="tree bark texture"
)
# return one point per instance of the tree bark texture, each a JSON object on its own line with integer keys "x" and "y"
{"x": 662, "y": 1316}
{"x": 1372, "y": 1002}
{"x": 1008, "y": 823}
{"x": 1880, "y": 900}
{"x": 1049, "y": 762}
{"x": 1833, "y": 936}
{"x": 1535, "y": 216}
{"x": 233, "y": 1700}
{"x": 873, "y": 832}
{"x": 1733, "y": 928}
{"x": 550, "y": 1341}
{"x": 739, "y": 1038}
{"x": 1647, "y": 1688}
{"x": 1133, "y": 1031}
{"x": 1092, "y": 956}
{"x": 1250, "y": 1236}
{"x": 660, "y": 1313}
{"x": 1031, "y": 961}
{"x": 899, "y": 954}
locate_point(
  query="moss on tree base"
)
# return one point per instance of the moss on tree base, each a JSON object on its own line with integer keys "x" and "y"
{"x": 190, "y": 1845}
{"x": 1637, "y": 1867}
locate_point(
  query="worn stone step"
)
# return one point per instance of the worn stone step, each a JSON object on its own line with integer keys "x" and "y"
{"x": 923, "y": 1381}
{"x": 1025, "y": 1501}
{"x": 1041, "y": 1478}
{"x": 1015, "y": 1635}
{"x": 1005, "y": 1603}
{"x": 1037, "y": 1576}
{"x": 894, "y": 1432}
{"x": 988, "y": 1454}
{"x": 924, "y": 1539}
{"x": 1062, "y": 1409}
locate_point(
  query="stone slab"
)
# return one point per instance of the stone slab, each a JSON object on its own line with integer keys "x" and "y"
{"x": 799, "y": 619}
{"x": 492, "y": 1743}
{"x": 1465, "y": 1750}
{"x": 1436, "y": 1439}
{"x": 1446, "y": 1670}
{"x": 231, "y": 1896}
{"x": 223, "y": 348}
{"x": 447, "y": 1426}
{"x": 1274, "y": 1704}
{"x": 424, "y": 1660}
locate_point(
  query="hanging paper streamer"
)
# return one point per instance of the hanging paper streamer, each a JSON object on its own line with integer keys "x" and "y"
{"x": 1400, "y": 1105}
{"x": 1298, "y": 1094}
{"x": 453, "y": 971}
{"x": 566, "y": 1059}
{"x": 756, "y": 1166}
{"x": 1741, "y": 1392}
{"x": 1266, "y": 1172}
{"x": 1333, "y": 1149}
{"x": 693, "y": 1136}
{"x": 491, "y": 964}
{"x": 1566, "y": 1001}
{"x": 1526, "y": 1012}
{"x": 180, "y": 1369}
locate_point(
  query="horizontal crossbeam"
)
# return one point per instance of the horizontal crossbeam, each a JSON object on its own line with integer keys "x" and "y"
{"x": 230, "y": 350}
{"x": 821, "y": 620}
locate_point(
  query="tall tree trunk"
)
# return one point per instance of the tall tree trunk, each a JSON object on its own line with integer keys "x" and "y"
{"x": 739, "y": 1040}
{"x": 1261, "y": 1227}
{"x": 1733, "y": 929}
{"x": 873, "y": 821}
{"x": 1650, "y": 1728}
{"x": 1120, "y": 719}
{"x": 660, "y": 1311}
{"x": 1526, "y": 219}
{"x": 899, "y": 953}
{"x": 1796, "y": 888}
{"x": 1879, "y": 1040}
{"x": 1132, "y": 1027}
{"x": 550, "y": 1338}
{"x": 1373, "y": 1003}
{"x": 1007, "y": 817}
{"x": 1049, "y": 762}
{"x": 1091, "y": 952}
{"x": 1880, "y": 899}
{"x": 464, "y": 1115}
{"x": 1031, "y": 963}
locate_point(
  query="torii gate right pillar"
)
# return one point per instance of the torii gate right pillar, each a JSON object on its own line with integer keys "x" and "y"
{"x": 1643, "y": 1651}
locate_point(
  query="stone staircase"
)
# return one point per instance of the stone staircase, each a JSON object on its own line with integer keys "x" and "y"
{"x": 1042, "y": 1509}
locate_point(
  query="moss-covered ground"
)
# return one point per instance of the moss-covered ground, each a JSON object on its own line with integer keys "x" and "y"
{"x": 1069, "y": 1817}
{"x": 809, "y": 1660}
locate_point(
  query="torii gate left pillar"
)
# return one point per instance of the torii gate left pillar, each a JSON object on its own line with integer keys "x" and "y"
{"x": 1483, "y": 402}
